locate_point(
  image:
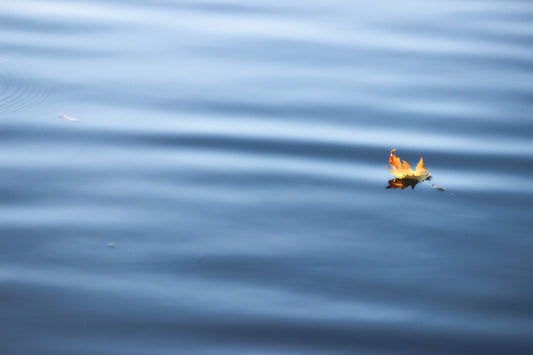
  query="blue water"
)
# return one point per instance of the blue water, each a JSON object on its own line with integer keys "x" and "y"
{"x": 224, "y": 191}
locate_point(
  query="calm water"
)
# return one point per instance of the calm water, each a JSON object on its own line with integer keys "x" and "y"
{"x": 224, "y": 189}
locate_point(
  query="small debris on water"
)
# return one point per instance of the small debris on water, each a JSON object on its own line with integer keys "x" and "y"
{"x": 438, "y": 187}
{"x": 200, "y": 259}
{"x": 110, "y": 245}
{"x": 68, "y": 118}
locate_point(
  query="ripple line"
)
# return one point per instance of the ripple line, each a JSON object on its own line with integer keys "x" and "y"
{"x": 18, "y": 91}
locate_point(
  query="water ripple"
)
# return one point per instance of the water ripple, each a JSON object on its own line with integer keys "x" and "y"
{"x": 18, "y": 91}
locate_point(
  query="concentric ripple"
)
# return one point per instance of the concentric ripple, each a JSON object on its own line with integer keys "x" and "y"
{"x": 18, "y": 91}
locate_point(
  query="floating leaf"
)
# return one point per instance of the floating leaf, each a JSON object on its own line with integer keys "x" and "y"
{"x": 404, "y": 171}
{"x": 405, "y": 176}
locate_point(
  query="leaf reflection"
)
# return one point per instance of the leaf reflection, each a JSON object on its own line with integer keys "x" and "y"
{"x": 402, "y": 183}
{"x": 405, "y": 183}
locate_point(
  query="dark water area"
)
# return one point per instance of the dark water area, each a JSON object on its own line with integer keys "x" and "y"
{"x": 224, "y": 191}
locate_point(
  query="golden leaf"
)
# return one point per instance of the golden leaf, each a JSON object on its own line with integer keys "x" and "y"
{"x": 404, "y": 171}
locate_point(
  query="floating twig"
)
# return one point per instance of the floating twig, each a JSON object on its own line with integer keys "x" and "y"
{"x": 68, "y": 118}
{"x": 438, "y": 187}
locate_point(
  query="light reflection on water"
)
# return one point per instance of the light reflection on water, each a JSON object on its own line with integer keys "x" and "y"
{"x": 234, "y": 154}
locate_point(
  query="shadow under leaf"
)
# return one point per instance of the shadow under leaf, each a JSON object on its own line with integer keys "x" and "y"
{"x": 402, "y": 183}
{"x": 405, "y": 183}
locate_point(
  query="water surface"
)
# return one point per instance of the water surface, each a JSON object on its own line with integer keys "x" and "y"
{"x": 224, "y": 189}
